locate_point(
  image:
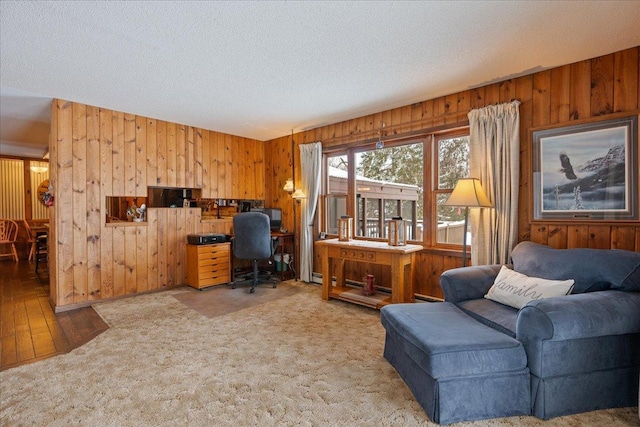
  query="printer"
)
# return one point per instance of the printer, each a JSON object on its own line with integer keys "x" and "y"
{"x": 206, "y": 238}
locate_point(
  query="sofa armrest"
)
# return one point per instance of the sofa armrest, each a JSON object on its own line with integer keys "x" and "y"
{"x": 593, "y": 314}
{"x": 468, "y": 283}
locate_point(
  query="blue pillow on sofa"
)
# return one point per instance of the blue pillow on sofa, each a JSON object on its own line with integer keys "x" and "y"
{"x": 592, "y": 269}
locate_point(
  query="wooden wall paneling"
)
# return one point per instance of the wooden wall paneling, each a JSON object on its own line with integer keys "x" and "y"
{"x": 623, "y": 237}
{"x": 141, "y": 157}
{"x": 560, "y": 92}
{"x": 161, "y": 152}
{"x": 626, "y": 80}
{"x": 439, "y": 109}
{"x": 602, "y": 85}
{"x": 180, "y": 247}
{"x": 162, "y": 234}
{"x": 190, "y": 158}
{"x": 181, "y": 153}
{"x": 600, "y": 237}
{"x": 492, "y": 94}
{"x": 557, "y": 236}
{"x": 240, "y": 169}
{"x": 580, "y": 104}
{"x": 152, "y": 249}
{"x": 94, "y": 213}
{"x": 451, "y": 109}
{"x": 64, "y": 202}
{"x": 260, "y": 167}
{"x": 198, "y": 149}
{"x": 141, "y": 252}
{"x": 221, "y": 164}
{"x": 416, "y": 116}
{"x": 539, "y": 233}
{"x": 106, "y": 189}
{"x": 170, "y": 239}
{"x": 228, "y": 166}
{"x": 119, "y": 261}
{"x": 130, "y": 259}
{"x": 427, "y": 114}
{"x": 130, "y": 172}
{"x": 541, "y": 98}
{"x": 152, "y": 153}
{"x": 172, "y": 161}
{"x": 118, "y": 162}
{"x": 464, "y": 105}
{"x": 524, "y": 93}
{"x": 577, "y": 236}
{"x": 79, "y": 201}
{"x": 507, "y": 90}
{"x": 53, "y": 218}
{"x": 207, "y": 163}
{"x": 476, "y": 98}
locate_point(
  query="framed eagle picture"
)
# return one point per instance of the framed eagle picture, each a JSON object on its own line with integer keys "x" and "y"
{"x": 587, "y": 172}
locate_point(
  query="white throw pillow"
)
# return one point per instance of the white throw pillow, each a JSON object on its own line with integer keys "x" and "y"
{"x": 516, "y": 290}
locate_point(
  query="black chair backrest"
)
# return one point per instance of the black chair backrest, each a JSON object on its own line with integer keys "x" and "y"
{"x": 252, "y": 236}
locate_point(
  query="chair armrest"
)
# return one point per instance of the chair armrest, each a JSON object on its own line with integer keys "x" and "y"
{"x": 576, "y": 316}
{"x": 467, "y": 283}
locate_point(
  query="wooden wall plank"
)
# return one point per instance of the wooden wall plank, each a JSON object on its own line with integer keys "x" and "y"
{"x": 208, "y": 164}
{"x": 64, "y": 202}
{"x": 118, "y": 150}
{"x": 93, "y": 196}
{"x": 119, "y": 261}
{"x": 141, "y": 157}
{"x": 172, "y": 161}
{"x": 142, "y": 266}
{"x": 152, "y": 153}
{"x": 79, "y": 200}
{"x": 161, "y": 153}
{"x": 541, "y": 98}
{"x": 626, "y": 80}
{"x": 228, "y": 167}
{"x": 602, "y": 85}
{"x": 106, "y": 189}
{"x": 580, "y": 104}
{"x": 152, "y": 249}
{"x": 181, "y": 153}
{"x": 560, "y": 92}
{"x": 130, "y": 259}
{"x": 130, "y": 173}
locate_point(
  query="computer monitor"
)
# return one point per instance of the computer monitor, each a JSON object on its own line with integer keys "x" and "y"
{"x": 275, "y": 217}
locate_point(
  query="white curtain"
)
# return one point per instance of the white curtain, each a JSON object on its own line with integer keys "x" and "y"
{"x": 495, "y": 159}
{"x": 310, "y": 162}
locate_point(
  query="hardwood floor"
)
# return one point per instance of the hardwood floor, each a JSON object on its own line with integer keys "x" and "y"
{"x": 29, "y": 329}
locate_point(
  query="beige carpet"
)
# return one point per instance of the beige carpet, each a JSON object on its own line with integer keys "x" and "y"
{"x": 293, "y": 361}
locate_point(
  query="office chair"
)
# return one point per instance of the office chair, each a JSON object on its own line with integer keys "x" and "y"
{"x": 252, "y": 240}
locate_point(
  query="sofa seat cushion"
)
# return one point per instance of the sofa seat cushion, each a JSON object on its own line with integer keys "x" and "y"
{"x": 592, "y": 269}
{"x": 446, "y": 342}
{"x": 498, "y": 316}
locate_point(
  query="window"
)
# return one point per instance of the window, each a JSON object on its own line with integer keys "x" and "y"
{"x": 373, "y": 185}
{"x": 336, "y": 178}
{"x": 452, "y": 164}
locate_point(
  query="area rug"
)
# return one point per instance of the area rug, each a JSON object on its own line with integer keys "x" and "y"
{"x": 293, "y": 361}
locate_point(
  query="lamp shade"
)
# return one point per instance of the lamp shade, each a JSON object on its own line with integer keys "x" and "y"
{"x": 469, "y": 193}
{"x": 288, "y": 186}
{"x": 299, "y": 194}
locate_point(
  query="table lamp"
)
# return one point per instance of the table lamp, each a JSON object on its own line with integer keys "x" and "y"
{"x": 468, "y": 193}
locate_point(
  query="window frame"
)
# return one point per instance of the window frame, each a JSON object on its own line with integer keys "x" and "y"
{"x": 430, "y": 171}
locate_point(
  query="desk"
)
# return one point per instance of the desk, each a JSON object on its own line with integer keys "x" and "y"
{"x": 284, "y": 243}
{"x": 399, "y": 258}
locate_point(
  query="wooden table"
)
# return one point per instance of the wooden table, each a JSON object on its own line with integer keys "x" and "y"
{"x": 399, "y": 258}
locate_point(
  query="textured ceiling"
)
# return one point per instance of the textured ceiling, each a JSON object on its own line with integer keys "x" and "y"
{"x": 260, "y": 69}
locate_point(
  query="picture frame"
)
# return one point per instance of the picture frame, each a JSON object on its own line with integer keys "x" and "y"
{"x": 587, "y": 171}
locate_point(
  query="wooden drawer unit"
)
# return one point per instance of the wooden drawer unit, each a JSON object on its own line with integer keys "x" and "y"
{"x": 208, "y": 265}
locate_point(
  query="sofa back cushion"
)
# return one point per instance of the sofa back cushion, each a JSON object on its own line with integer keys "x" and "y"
{"x": 591, "y": 269}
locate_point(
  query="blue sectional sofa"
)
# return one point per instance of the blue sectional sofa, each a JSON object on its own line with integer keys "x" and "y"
{"x": 581, "y": 351}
